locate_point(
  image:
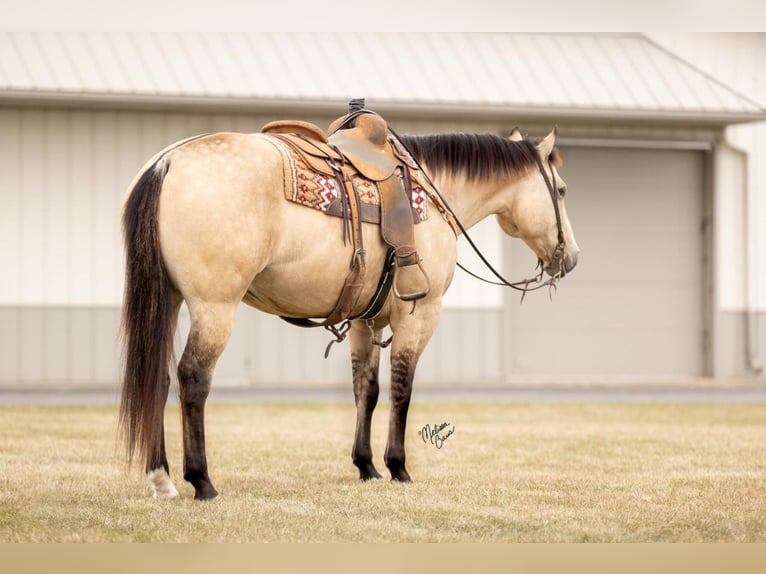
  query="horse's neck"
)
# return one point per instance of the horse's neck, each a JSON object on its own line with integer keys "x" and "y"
{"x": 472, "y": 201}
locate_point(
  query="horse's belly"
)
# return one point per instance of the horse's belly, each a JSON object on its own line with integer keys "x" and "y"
{"x": 310, "y": 287}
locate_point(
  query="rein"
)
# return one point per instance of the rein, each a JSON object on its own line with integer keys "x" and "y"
{"x": 524, "y": 284}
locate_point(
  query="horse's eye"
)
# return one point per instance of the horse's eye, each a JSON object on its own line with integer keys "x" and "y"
{"x": 562, "y": 191}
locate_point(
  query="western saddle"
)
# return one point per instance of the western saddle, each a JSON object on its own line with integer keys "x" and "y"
{"x": 360, "y": 142}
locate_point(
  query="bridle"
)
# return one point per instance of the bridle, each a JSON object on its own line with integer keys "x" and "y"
{"x": 536, "y": 282}
{"x": 525, "y": 285}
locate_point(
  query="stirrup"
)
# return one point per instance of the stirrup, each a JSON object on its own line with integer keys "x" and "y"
{"x": 418, "y": 294}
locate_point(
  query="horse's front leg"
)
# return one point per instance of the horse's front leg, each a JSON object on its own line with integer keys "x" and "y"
{"x": 365, "y": 359}
{"x": 412, "y": 331}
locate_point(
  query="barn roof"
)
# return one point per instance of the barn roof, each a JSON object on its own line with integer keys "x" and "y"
{"x": 507, "y": 74}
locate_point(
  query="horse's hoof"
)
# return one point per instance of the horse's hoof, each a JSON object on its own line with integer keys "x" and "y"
{"x": 369, "y": 474}
{"x": 162, "y": 487}
{"x": 400, "y": 475}
{"x": 206, "y": 494}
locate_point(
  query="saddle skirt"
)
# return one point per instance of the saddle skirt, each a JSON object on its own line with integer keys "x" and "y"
{"x": 313, "y": 184}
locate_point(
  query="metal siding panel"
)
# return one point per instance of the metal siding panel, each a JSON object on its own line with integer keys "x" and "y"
{"x": 32, "y": 244}
{"x": 105, "y": 323}
{"x": 285, "y": 355}
{"x": 232, "y": 365}
{"x": 106, "y": 195}
{"x": 446, "y": 347}
{"x": 478, "y": 356}
{"x": 129, "y": 160}
{"x": 80, "y": 345}
{"x": 56, "y": 208}
{"x": 80, "y": 191}
{"x": 31, "y": 348}
{"x": 465, "y": 349}
{"x": 466, "y": 291}
{"x": 10, "y": 345}
{"x": 55, "y": 343}
{"x": 175, "y": 127}
{"x": 10, "y": 214}
{"x": 199, "y": 124}
{"x": 265, "y": 368}
{"x": 247, "y": 124}
{"x": 729, "y": 215}
{"x": 151, "y": 136}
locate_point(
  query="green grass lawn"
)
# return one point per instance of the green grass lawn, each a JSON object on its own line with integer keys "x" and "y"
{"x": 511, "y": 472}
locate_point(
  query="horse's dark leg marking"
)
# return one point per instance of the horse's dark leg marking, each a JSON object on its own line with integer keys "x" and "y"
{"x": 194, "y": 379}
{"x": 402, "y": 373}
{"x": 365, "y": 359}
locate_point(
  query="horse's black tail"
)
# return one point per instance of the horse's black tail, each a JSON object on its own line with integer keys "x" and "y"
{"x": 147, "y": 330}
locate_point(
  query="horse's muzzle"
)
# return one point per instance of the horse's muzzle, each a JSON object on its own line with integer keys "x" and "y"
{"x": 554, "y": 268}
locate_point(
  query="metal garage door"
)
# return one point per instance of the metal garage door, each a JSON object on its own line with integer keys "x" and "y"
{"x": 633, "y": 307}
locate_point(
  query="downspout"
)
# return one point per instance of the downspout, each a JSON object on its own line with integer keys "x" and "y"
{"x": 750, "y": 254}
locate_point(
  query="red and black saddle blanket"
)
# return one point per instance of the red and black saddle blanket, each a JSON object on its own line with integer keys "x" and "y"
{"x": 319, "y": 191}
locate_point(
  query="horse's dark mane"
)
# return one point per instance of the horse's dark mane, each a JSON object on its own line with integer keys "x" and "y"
{"x": 477, "y": 156}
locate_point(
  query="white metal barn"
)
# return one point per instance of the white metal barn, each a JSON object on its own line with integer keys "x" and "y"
{"x": 662, "y": 154}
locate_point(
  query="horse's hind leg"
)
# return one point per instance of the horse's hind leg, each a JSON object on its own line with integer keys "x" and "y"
{"x": 158, "y": 469}
{"x": 210, "y": 329}
{"x": 365, "y": 359}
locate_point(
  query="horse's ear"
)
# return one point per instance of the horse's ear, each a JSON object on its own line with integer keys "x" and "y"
{"x": 545, "y": 147}
{"x": 515, "y": 135}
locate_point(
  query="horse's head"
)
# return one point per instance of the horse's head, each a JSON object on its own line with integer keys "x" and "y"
{"x": 536, "y": 211}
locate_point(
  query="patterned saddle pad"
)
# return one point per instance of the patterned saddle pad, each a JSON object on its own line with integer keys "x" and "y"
{"x": 306, "y": 187}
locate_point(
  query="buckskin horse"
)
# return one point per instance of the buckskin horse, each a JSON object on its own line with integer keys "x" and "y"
{"x": 209, "y": 221}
